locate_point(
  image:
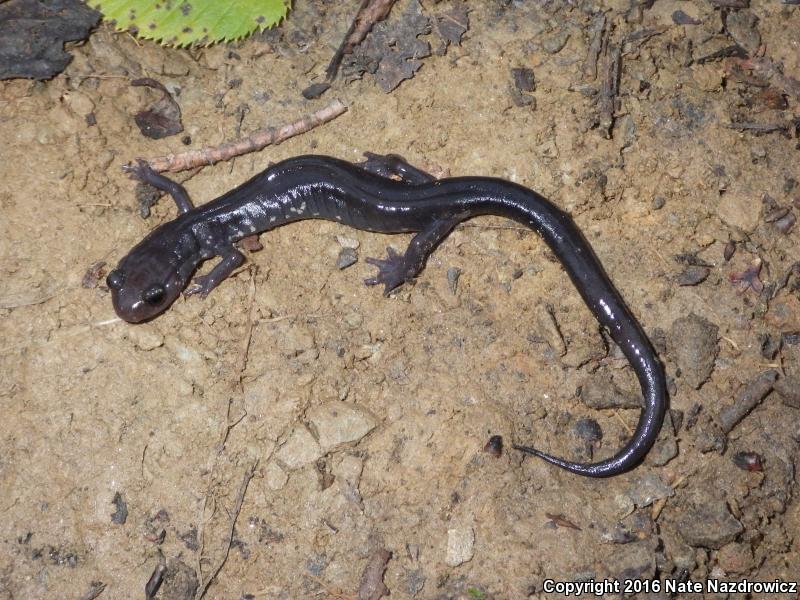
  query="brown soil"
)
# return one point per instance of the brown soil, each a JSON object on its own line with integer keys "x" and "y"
{"x": 172, "y": 415}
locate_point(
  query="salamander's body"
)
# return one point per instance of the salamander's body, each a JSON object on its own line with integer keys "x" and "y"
{"x": 159, "y": 268}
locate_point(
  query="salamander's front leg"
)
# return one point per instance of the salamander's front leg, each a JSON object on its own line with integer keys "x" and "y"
{"x": 396, "y": 269}
{"x": 142, "y": 171}
{"x": 394, "y": 165}
{"x": 231, "y": 260}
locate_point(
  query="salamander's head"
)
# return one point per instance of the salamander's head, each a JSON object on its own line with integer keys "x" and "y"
{"x": 147, "y": 281}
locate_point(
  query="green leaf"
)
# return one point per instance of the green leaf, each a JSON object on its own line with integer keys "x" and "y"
{"x": 188, "y": 22}
{"x": 476, "y": 593}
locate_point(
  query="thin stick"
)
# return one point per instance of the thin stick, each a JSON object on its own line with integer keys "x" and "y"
{"x": 234, "y": 516}
{"x": 369, "y": 13}
{"x": 256, "y": 141}
{"x": 333, "y": 66}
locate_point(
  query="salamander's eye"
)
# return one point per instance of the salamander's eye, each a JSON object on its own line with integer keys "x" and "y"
{"x": 115, "y": 279}
{"x": 154, "y": 294}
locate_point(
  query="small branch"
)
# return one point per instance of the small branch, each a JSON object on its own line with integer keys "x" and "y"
{"x": 369, "y": 13}
{"x": 746, "y": 400}
{"x": 759, "y": 128}
{"x": 609, "y": 90}
{"x": 234, "y": 516}
{"x": 255, "y": 141}
{"x": 596, "y": 30}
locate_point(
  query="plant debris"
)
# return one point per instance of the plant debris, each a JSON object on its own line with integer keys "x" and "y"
{"x": 392, "y": 52}
{"x": 163, "y": 118}
{"x": 369, "y": 13}
{"x": 450, "y": 26}
{"x": 372, "y": 586}
{"x": 33, "y": 32}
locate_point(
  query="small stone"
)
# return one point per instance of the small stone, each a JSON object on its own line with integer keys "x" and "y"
{"x": 784, "y": 314}
{"x": 120, "y": 515}
{"x": 353, "y": 320}
{"x": 460, "y": 546}
{"x": 414, "y": 581}
{"x": 174, "y": 65}
{"x": 524, "y": 79}
{"x": 453, "y": 273}
{"x": 339, "y": 423}
{"x": 739, "y": 210}
{"x": 662, "y": 452}
{"x": 347, "y": 258}
{"x": 315, "y": 90}
{"x": 275, "y": 477}
{"x": 786, "y": 223}
{"x": 553, "y": 44}
{"x": 741, "y": 25}
{"x": 709, "y": 525}
{"x": 735, "y": 558}
{"x": 180, "y": 580}
{"x": 694, "y": 344}
{"x": 588, "y": 430}
{"x": 693, "y": 275}
{"x": 647, "y": 489}
{"x": 659, "y": 202}
{"x": 145, "y": 337}
{"x": 348, "y": 242}
{"x": 300, "y": 449}
{"x": 599, "y": 392}
{"x": 788, "y": 389}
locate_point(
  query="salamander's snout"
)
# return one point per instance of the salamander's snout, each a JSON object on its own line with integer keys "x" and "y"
{"x": 138, "y": 296}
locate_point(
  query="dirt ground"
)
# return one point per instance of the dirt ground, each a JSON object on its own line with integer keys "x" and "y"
{"x": 272, "y": 440}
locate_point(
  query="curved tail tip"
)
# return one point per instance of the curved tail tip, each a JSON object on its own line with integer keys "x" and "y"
{"x": 587, "y": 470}
{"x": 528, "y": 450}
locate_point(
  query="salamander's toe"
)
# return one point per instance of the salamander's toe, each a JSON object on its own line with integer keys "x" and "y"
{"x": 392, "y": 271}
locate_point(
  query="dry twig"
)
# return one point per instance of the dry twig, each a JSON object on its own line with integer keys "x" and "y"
{"x": 203, "y": 588}
{"x": 255, "y": 141}
{"x": 369, "y": 13}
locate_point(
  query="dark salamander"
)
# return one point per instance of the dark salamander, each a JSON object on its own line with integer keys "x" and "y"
{"x": 387, "y": 195}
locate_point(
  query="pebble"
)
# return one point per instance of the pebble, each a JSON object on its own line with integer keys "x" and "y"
{"x": 739, "y": 210}
{"x": 599, "y": 392}
{"x": 741, "y": 25}
{"x": 710, "y": 525}
{"x": 694, "y": 344}
{"x": 292, "y": 341}
{"x": 460, "y": 546}
{"x": 339, "y": 423}
{"x": 145, "y": 338}
{"x": 788, "y": 389}
{"x": 348, "y": 242}
{"x": 453, "y": 273}
{"x": 353, "y": 320}
{"x": 547, "y": 328}
{"x": 347, "y": 258}
{"x": 588, "y": 430}
{"x": 299, "y": 449}
{"x": 647, "y": 489}
{"x": 735, "y": 558}
{"x": 662, "y": 452}
{"x": 553, "y": 44}
{"x": 524, "y": 79}
{"x": 275, "y": 477}
{"x": 692, "y": 275}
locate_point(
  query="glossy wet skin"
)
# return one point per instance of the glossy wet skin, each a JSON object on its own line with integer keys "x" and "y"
{"x": 153, "y": 274}
{"x": 151, "y": 277}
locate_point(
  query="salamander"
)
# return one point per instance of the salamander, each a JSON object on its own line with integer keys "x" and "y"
{"x": 388, "y": 195}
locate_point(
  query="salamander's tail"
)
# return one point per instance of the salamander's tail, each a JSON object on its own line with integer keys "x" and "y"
{"x": 651, "y": 377}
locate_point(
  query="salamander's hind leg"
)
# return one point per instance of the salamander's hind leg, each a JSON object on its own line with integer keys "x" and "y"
{"x": 231, "y": 260}
{"x": 396, "y": 269}
{"x": 394, "y": 165}
{"x": 142, "y": 171}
